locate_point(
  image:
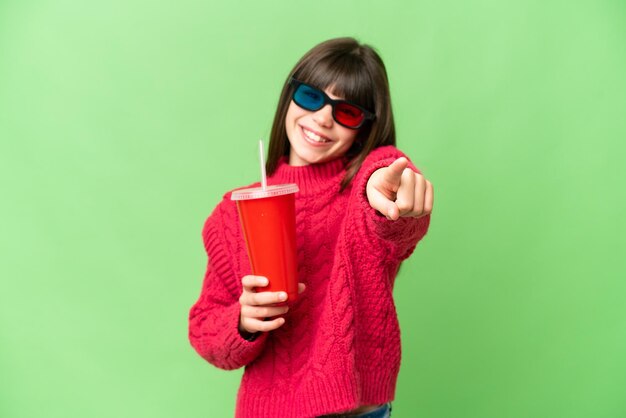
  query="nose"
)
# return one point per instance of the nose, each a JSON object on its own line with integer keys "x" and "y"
{"x": 324, "y": 116}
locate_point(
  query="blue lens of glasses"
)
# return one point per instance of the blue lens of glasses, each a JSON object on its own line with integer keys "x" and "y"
{"x": 308, "y": 97}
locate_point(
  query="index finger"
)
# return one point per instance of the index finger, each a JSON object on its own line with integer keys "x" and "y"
{"x": 393, "y": 174}
{"x": 266, "y": 298}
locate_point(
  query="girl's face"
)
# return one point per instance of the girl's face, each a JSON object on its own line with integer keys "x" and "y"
{"x": 314, "y": 136}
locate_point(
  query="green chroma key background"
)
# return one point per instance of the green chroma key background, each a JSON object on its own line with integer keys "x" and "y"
{"x": 123, "y": 122}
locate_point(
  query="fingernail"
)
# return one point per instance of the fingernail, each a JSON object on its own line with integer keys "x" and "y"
{"x": 282, "y": 296}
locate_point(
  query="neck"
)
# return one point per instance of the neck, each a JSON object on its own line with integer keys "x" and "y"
{"x": 312, "y": 177}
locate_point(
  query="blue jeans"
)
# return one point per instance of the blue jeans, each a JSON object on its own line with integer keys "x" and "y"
{"x": 383, "y": 411}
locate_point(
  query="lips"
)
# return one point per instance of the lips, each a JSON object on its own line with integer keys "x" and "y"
{"x": 314, "y": 137}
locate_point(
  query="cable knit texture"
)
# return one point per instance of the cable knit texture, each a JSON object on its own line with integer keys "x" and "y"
{"x": 340, "y": 345}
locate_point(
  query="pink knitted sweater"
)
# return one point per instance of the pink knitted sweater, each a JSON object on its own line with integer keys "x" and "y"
{"x": 340, "y": 345}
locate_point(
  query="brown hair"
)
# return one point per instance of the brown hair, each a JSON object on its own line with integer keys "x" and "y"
{"x": 356, "y": 73}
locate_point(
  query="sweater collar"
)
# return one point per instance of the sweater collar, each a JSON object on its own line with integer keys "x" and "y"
{"x": 310, "y": 178}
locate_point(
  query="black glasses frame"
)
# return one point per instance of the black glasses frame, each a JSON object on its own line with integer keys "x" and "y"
{"x": 367, "y": 115}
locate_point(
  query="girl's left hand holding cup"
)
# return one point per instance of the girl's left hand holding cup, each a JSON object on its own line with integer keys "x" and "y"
{"x": 397, "y": 191}
{"x": 258, "y": 312}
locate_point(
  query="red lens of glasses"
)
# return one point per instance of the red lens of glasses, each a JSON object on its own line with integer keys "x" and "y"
{"x": 348, "y": 115}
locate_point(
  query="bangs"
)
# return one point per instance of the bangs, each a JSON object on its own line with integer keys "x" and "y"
{"x": 347, "y": 76}
{"x": 351, "y": 71}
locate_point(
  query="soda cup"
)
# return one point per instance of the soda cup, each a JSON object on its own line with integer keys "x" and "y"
{"x": 268, "y": 221}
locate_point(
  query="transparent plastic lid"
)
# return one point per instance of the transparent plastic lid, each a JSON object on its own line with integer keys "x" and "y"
{"x": 259, "y": 193}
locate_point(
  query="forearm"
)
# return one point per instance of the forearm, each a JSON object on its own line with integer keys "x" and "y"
{"x": 214, "y": 334}
{"x": 396, "y": 238}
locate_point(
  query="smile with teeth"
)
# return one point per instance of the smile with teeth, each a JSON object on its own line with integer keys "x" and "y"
{"x": 313, "y": 136}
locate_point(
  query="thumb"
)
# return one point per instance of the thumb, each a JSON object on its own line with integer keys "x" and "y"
{"x": 382, "y": 204}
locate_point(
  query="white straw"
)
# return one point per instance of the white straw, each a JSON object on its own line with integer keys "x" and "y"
{"x": 262, "y": 160}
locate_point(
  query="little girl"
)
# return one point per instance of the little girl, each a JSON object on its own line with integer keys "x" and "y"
{"x": 361, "y": 210}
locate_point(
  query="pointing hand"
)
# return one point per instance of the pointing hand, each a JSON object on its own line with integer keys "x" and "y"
{"x": 397, "y": 191}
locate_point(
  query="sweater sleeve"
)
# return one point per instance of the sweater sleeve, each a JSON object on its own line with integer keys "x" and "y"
{"x": 396, "y": 238}
{"x": 214, "y": 318}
